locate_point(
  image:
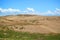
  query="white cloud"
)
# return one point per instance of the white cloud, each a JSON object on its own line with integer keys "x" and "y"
{"x": 13, "y": 10}
{"x": 9, "y": 10}
{"x": 57, "y": 9}
{"x": 49, "y": 12}
{"x": 30, "y": 9}
{"x": 56, "y": 12}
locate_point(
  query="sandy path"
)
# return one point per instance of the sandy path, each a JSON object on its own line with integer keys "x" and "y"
{"x": 50, "y": 29}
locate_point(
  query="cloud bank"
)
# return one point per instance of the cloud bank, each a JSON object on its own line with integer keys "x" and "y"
{"x": 56, "y": 12}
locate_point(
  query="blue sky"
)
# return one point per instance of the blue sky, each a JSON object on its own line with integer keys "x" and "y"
{"x": 39, "y": 6}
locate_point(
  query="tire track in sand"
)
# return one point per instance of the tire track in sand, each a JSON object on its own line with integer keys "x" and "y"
{"x": 50, "y": 29}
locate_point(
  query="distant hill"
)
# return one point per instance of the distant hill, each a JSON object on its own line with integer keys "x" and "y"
{"x": 30, "y": 23}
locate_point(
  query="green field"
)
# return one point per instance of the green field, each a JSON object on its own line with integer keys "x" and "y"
{"x": 12, "y": 35}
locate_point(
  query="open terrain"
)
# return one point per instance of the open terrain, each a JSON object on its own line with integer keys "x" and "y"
{"x": 13, "y": 25}
{"x": 32, "y": 23}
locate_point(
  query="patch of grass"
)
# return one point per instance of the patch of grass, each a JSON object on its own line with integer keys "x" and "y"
{"x": 13, "y": 35}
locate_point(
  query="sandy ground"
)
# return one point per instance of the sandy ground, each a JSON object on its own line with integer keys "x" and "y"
{"x": 33, "y": 24}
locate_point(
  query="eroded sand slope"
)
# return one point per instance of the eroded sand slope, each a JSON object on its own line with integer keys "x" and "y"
{"x": 31, "y": 23}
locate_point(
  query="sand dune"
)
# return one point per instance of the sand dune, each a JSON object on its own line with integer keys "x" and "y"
{"x": 32, "y": 23}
